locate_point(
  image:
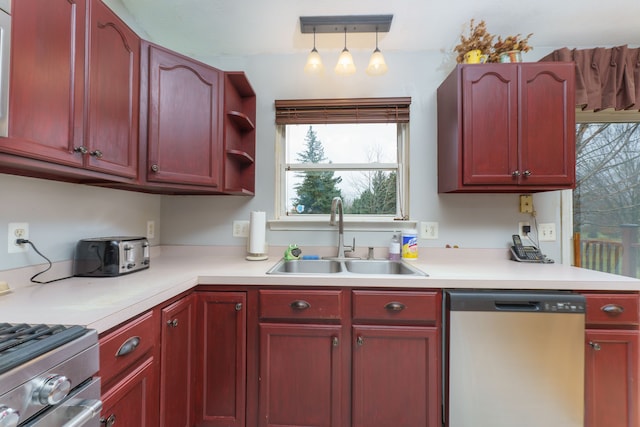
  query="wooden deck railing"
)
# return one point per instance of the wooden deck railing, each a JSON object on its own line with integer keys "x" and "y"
{"x": 618, "y": 257}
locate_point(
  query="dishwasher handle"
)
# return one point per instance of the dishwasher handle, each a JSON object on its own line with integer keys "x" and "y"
{"x": 517, "y": 305}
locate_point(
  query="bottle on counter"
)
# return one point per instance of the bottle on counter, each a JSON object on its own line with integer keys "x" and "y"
{"x": 410, "y": 244}
{"x": 394, "y": 248}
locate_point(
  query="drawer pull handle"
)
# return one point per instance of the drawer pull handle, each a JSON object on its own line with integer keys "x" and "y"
{"x": 128, "y": 346}
{"x": 300, "y": 305}
{"x": 172, "y": 323}
{"x": 613, "y": 309}
{"x": 595, "y": 346}
{"x": 394, "y": 306}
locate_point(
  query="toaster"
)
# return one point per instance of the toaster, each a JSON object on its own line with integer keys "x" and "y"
{"x": 110, "y": 256}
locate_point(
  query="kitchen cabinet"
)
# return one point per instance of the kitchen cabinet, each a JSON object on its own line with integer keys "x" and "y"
{"x": 612, "y": 360}
{"x": 239, "y": 134}
{"x": 129, "y": 373}
{"x": 507, "y": 128}
{"x": 177, "y": 362}
{"x": 74, "y": 92}
{"x": 182, "y": 134}
{"x": 303, "y": 369}
{"x": 396, "y": 359}
{"x": 221, "y": 359}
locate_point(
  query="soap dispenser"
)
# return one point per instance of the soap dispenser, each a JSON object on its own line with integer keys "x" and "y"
{"x": 394, "y": 248}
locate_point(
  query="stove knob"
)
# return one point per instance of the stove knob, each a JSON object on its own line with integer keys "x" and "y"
{"x": 54, "y": 389}
{"x": 8, "y": 417}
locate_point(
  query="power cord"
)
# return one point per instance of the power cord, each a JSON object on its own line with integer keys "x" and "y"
{"x": 33, "y": 278}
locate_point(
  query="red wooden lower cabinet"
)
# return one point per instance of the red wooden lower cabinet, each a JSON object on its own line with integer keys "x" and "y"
{"x": 612, "y": 360}
{"x": 176, "y": 363}
{"x": 221, "y": 359}
{"x": 395, "y": 376}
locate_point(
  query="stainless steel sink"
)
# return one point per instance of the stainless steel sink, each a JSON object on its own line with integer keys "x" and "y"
{"x": 345, "y": 267}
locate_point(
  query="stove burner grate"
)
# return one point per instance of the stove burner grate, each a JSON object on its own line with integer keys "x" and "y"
{"x": 20, "y": 343}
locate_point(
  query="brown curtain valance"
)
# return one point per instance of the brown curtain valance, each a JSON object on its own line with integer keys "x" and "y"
{"x": 605, "y": 77}
{"x": 353, "y": 110}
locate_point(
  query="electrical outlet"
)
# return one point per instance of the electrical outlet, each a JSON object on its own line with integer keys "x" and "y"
{"x": 151, "y": 229}
{"x": 521, "y": 226}
{"x": 17, "y": 230}
{"x": 428, "y": 230}
{"x": 240, "y": 228}
{"x": 547, "y": 232}
{"x": 526, "y": 203}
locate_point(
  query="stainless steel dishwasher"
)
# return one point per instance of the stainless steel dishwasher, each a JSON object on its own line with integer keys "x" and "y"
{"x": 513, "y": 358}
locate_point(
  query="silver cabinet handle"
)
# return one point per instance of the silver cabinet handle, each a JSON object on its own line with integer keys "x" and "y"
{"x": 613, "y": 309}
{"x": 155, "y": 168}
{"x": 239, "y": 306}
{"x": 360, "y": 341}
{"x": 96, "y": 153}
{"x": 515, "y": 173}
{"x": 595, "y": 346}
{"x": 109, "y": 421}
{"x": 334, "y": 341}
{"x": 526, "y": 173}
{"x": 394, "y": 306}
{"x": 300, "y": 305}
{"x": 128, "y": 346}
{"x": 81, "y": 150}
{"x": 172, "y": 323}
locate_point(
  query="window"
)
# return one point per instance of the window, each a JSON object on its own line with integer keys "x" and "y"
{"x": 355, "y": 149}
{"x": 606, "y": 201}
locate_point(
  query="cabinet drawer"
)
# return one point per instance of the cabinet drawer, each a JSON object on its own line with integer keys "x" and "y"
{"x": 612, "y": 309}
{"x": 404, "y": 306}
{"x": 124, "y": 346}
{"x": 288, "y": 304}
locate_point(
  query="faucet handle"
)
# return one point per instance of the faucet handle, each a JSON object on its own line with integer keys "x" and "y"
{"x": 351, "y": 248}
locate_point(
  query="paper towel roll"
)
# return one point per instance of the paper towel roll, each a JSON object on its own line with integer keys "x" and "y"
{"x": 257, "y": 232}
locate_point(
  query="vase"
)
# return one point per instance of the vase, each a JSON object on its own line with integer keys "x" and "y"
{"x": 475, "y": 57}
{"x": 511, "y": 56}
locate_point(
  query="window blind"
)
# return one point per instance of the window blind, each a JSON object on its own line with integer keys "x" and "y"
{"x": 335, "y": 111}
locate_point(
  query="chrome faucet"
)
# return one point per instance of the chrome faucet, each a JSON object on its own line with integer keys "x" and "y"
{"x": 336, "y": 205}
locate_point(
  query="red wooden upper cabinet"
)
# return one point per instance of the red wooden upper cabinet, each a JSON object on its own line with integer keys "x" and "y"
{"x": 507, "y": 128}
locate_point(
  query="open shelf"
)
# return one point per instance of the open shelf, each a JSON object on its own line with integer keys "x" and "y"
{"x": 240, "y": 156}
{"x": 241, "y": 120}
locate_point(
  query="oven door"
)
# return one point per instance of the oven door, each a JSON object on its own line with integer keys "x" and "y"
{"x": 80, "y": 409}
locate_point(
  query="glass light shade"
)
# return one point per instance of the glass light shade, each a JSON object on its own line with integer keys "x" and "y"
{"x": 377, "y": 65}
{"x": 314, "y": 63}
{"x": 345, "y": 65}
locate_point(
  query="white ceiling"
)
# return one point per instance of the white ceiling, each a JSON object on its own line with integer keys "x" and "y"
{"x": 205, "y": 28}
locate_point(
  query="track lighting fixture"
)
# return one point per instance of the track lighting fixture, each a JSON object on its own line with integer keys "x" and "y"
{"x": 352, "y": 24}
{"x": 345, "y": 65}
{"x": 377, "y": 65}
{"x": 314, "y": 62}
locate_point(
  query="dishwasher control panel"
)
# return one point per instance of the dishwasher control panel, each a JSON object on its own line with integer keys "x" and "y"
{"x": 564, "y": 307}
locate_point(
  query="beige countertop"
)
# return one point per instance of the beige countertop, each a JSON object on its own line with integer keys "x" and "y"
{"x": 102, "y": 303}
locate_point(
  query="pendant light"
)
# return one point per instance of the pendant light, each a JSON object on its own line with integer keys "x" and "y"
{"x": 377, "y": 65}
{"x": 314, "y": 62}
{"x": 345, "y": 65}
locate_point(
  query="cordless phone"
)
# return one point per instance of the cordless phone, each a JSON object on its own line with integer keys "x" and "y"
{"x": 526, "y": 253}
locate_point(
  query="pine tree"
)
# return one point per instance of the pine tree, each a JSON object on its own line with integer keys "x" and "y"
{"x": 318, "y": 188}
{"x": 379, "y": 197}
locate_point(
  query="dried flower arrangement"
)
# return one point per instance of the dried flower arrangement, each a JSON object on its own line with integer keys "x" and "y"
{"x": 510, "y": 43}
{"x": 478, "y": 39}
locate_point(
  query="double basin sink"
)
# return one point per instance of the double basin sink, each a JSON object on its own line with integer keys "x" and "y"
{"x": 345, "y": 267}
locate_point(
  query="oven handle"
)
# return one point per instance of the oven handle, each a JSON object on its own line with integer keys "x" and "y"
{"x": 90, "y": 409}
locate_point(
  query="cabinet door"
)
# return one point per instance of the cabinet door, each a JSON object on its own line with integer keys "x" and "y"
{"x": 300, "y": 375}
{"x": 184, "y": 139}
{"x": 611, "y": 378}
{"x": 114, "y": 88}
{"x": 490, "y": 124}
{"x": 547, "y": 120}
{"x": 176, "y": 363}
{"x": 396, "y": 376}
{"x": 47, "y": 80}
{"x": 220, "y": 397}
{"x": 130, "y": 402}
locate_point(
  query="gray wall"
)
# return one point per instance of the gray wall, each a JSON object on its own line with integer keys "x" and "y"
{"x": 59, "y": 214}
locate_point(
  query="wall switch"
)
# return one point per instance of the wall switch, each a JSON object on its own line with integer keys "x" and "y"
{"x": 547, "y": 232}
{"x": 151, "y": 229}
{"x": 428, "y": 230}
{"x": 240, "y": 228}
{"x": 17, "y": 230}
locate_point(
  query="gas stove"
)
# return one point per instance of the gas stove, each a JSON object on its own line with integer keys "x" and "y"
{"x": 48, "y": 376}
